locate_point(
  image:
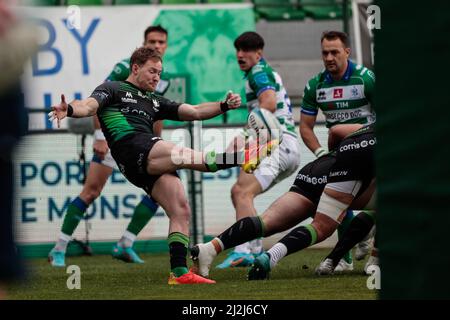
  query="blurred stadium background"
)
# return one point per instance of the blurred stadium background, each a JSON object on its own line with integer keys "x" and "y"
{"x": 202, "y": 64}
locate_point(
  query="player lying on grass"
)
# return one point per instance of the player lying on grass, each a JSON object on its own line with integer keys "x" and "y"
{"x": 325, "y": 188}
{"x": 127, "y": 111}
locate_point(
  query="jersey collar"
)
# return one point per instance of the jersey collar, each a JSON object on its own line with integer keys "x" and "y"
{"x": 345, "y": 77}
{"x": 135, "y": 86}
{"x": 262, "y": 61}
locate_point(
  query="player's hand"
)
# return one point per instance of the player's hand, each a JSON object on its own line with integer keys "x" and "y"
{"x": 101, "y": 148}
{"x": 233, "y": 100}
{"x": 59, "y": 111}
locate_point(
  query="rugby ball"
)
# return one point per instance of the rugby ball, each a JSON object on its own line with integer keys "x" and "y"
{"x": 263, "y": 125}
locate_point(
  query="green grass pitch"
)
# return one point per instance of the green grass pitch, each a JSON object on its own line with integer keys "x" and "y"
{"x": 105, "y": 278}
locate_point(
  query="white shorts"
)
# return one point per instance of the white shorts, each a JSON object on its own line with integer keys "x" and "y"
{"x": 108, "y": 161}
{"x": 283, "y": 162}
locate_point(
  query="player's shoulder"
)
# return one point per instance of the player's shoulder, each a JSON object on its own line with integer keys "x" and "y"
{"x": 260, "y": 74}
{"x": 110, "y": 85}
{"x": 261, "y": 67}
{"x": 365, "y": 73}
{"x": 315, "y": 80}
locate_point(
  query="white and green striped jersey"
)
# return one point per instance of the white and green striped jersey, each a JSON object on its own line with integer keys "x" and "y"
{"x": 262, "y": 77}
{"x": 348, "y": 100}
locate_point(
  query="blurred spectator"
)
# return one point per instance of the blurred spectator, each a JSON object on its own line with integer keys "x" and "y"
{"x": 16, "y": 45}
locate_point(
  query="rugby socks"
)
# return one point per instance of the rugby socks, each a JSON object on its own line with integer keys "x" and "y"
{"x": 296, "y": 240}
{"x": 299, "y": 239}
{"x": 63, "y": 241}
{"x": 220, "y": 161}
{"x": 244, "y": 230}
{"x": 142, "y": 214}
{"x": 341, "y": 230}
{"x": 276, "y": 253}
{"x": 178, "y": 244}
{"x": 75, "y": 212}
{"x": 356, "y": 232}
{"x": 127, "y": 239}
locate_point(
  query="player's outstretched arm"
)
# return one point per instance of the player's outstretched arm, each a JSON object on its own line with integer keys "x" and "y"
{"x": 75, "y": 109}
{"x": 209, "y": 110}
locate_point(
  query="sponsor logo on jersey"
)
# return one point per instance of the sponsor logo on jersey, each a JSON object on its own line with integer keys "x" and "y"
{"x": 352, "y": 92}
{"x": 364, "y": 113}
{"x": 140, "y": 94}
{"x": 358, "y": 145}
{"x": 321, "y": 95}
{"x": 312, "y": 180}
{"x": 261, "y": 78}
{"x": 136, "y": 111}
{"x": 100, "y": 95}
{"x": 338, "y": 173}
{"x": 129, "y": 98}
{"x": 338, "y": 93}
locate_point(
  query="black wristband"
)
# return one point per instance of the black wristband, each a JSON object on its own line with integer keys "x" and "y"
{"x": 224, "y": 106}
{"x": 69, "y": 110}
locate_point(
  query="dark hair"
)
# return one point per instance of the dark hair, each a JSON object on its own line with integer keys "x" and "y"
{"x": 332, "y": 35}
{"x": 249, "y": 41}
{"x": 141, "y": 55}
{"x": 157, "y": 28}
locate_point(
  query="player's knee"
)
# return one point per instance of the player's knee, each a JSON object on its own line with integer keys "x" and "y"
{"x": 240, "y": 193}
{"x": 324, "y": 228}
{"x": 90, "y": 193}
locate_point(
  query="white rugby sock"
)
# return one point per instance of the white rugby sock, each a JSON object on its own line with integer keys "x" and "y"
{"x": 63, "y": 241}
{"x": 277, "y": 252}
{"x": 127, "y": 239}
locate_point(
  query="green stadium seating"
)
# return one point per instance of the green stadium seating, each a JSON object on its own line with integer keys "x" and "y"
{"x": 178, "y": 1}
{"x": 130, "y": 2}
{"x": 85, "y": 2}
{"x": 41, "y": 2}
{"x": 224, "y": 1}
{"x": 276, "y": 10}
{"x": 322, "y": 9}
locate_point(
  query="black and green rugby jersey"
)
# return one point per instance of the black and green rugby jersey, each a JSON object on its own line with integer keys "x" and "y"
{"x": 349, "y": 100}
{"x": 121, "y": 72}
{"x": 126, "y": 109}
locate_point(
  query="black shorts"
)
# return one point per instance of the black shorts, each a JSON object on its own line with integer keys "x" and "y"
{"x": 131, "y": 153}
{"x": 355, "y": 160}
{"x": 312, "y": 178}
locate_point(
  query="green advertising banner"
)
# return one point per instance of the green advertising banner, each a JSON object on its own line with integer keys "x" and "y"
{"x": 201, "y": 46}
